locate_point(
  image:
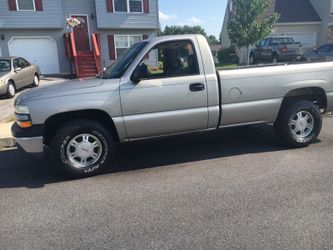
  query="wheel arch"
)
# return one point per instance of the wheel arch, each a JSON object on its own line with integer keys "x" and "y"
{"x": 316, "y": 95}
{"x": 57, "y": 120}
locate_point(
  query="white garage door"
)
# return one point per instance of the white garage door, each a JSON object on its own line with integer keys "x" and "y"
{"x": 40, "y": 51}
{"x": 307, "y": 39}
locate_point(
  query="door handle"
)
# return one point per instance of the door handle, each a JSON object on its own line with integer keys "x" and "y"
{"x": 195, "y": 87}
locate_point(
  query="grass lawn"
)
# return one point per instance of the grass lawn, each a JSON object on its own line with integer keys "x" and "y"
{"x": 225, "y": 66}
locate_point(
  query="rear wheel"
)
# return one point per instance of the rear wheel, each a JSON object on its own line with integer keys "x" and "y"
{"x": 299, "y": 124}
{"x": 252, "y": 59}
{"x": 36, "y": 81}
{"x": 11, "y": 90}
{"x": 82, "y": 148}
{"x": 275, "y": 59}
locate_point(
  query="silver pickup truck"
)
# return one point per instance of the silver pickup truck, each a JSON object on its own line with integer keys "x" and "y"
{"x": 167, "y": 86}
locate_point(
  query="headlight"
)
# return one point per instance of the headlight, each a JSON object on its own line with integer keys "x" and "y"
{"x": 21, "y": 110}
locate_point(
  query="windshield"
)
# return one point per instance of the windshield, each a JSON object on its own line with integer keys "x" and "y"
{"x": 117, "y": 69}
{"x": 5, "y": 65}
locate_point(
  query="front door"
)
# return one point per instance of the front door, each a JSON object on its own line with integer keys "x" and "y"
{"x": 171, "y": 96}
{"x": 81, "y": 34}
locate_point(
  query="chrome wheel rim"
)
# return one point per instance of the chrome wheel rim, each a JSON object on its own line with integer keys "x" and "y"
{"x": 36, "y": 80}
{"x": 11, "y": 89}
{"x": 84, "y": 150}
{"x": 301, "y": 124}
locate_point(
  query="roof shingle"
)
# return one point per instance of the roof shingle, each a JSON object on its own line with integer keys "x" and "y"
{"x": 296, "y": 11}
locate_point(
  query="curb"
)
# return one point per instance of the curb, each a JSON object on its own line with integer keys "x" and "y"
{"x": 7, "y": 143}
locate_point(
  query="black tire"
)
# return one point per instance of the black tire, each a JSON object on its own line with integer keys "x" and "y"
{"x": 284, "y": 126}
{"x": 252, "y": 59}
{"x": 11, "y": 89}
{"x": 275, "y": 58}
{"x": 60, "y": 148}
{"x": 35, "y": 83}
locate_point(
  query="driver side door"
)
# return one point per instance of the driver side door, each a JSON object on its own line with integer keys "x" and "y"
{"x": 171, "y": 96}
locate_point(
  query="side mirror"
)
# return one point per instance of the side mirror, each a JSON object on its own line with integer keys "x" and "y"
{"x": 18, "y": 69}
{"x": 141, "y": 72}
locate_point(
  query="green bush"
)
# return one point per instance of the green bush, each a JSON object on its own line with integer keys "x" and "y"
{"x": 228, "y": 55}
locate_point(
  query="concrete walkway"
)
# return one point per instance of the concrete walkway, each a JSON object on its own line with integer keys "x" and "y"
{"x": 6, "y": 140}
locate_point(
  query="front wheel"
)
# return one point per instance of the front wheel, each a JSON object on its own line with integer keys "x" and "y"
{"x": 11, "y": 90}
{"x": 299, "y": 124}
{"x": 82, "y": 148}
{"x": 36, "y": 81}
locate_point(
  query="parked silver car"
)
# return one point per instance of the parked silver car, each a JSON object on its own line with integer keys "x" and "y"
{"x": 16, "y": 73}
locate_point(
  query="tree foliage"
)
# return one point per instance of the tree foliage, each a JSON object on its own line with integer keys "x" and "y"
{"x": 212, "y": 40}
{"x": 185, "y": 29}
{"x": 249, "y": 23}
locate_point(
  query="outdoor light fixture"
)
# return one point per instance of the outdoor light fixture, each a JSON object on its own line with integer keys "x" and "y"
{"x": 92, "y": 16}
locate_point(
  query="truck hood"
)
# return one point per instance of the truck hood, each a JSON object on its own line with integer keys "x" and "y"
{"x": 72, "y": 87}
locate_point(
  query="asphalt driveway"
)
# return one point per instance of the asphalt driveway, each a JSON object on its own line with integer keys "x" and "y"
{"x": 231, "y": 189}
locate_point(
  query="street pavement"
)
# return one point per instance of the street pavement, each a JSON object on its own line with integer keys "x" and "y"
{"x": 231, "y": 189}
{"x": 7, "y": 105}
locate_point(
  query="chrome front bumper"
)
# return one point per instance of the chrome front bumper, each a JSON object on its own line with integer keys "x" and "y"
{"x": 31, "y": 144}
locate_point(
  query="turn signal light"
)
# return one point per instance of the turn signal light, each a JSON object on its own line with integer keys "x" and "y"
{"x": 26, "y": 124}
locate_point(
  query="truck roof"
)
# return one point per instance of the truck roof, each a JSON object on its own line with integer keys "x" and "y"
{"x": 173, "y": 37}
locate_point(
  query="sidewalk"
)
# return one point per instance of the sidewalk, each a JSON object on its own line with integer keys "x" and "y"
{"x": 6, "y": 140}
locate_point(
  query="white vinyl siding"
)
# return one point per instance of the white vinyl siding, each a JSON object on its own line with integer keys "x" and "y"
{"x": 331, "y": 7}
{"x": 130, "y": 6}
{"x": 25, "y": 5}
{"x": 123, "y": 42}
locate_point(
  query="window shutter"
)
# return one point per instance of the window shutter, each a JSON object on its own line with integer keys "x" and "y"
{"x": 12, "y": 5}
{"x": 39, "y": 5}
{"x": 144, "y": 37}
{"x": 112, "y": 49}
{"x": 146, "y": 6}
{"x": 109, "y": 6}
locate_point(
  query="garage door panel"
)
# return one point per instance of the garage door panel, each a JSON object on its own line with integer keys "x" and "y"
{"x": 40, "y": 51}
{"x": 307, "y": 39}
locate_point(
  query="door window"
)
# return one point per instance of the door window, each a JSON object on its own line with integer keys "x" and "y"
{"x": 170, "y": 59}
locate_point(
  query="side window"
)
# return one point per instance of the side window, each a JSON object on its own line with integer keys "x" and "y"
{"x": 25, "y": 63}
{"x": 263, "y": 42}
{"x": 275, "y": 41}
{"x": 170, "y": 59}
{"x": 16, "y": 63}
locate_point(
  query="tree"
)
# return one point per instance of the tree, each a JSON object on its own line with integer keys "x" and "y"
{"x": 212, "y": 40}
{"x": 250, "y": 22}
{"x": 185, "y": 29}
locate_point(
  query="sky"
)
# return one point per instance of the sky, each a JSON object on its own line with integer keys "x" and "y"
{"x": 208, "y": 13}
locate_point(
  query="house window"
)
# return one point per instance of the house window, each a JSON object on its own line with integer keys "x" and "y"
{"x": 128, "y": 6}
{"x": 120, "y": 5}
{"x": 135, "y": 6}
{"x": 123, "y": 42}
{"x": 25, "y": 5}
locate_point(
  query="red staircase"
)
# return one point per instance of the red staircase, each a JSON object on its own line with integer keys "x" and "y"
{"x": 87, "y": 63}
